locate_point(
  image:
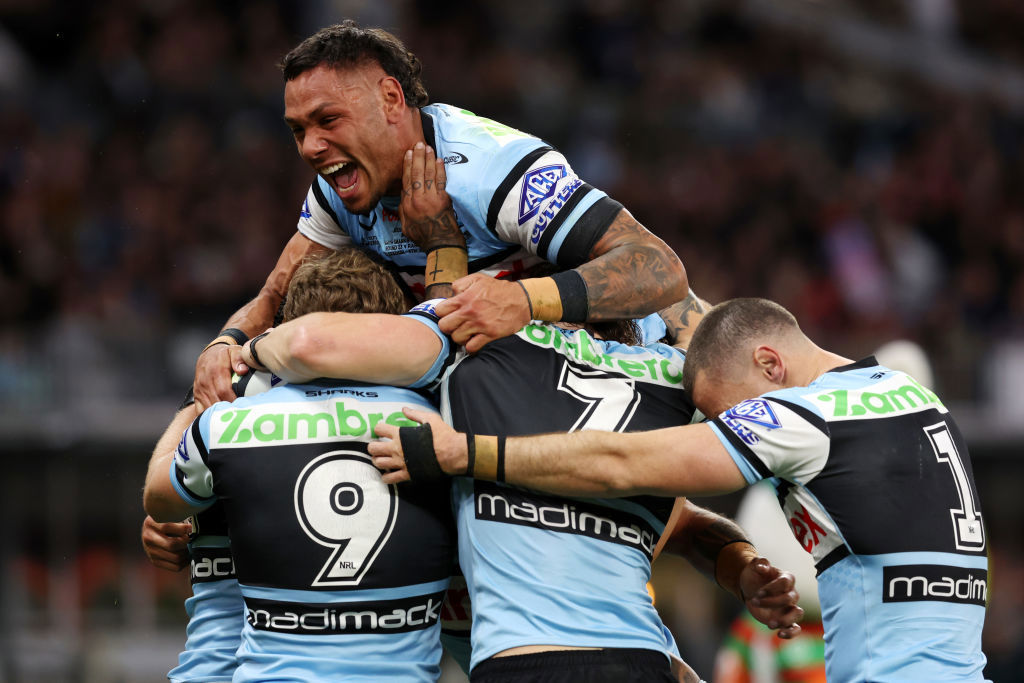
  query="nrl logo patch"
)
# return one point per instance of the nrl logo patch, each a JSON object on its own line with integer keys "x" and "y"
{"x": 538, "y": 185}
{"x": 757, "y": 411}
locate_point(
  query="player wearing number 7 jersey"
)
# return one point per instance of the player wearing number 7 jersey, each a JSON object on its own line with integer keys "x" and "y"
{"x": 869, "y": 466}
{"x": 342, "y": 576}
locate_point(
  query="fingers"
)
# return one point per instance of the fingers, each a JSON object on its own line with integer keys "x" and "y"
{"x": 416, "y": 172}
{"x": 213, "y": 376}
{"x": 440, "y": 174}
{"x": 421, "y": 416}
{"x": 477, "y": 342}
{"x": 166, "y": 544}
{"x": 429, "y": 170}
{"x": 407, "y": 172}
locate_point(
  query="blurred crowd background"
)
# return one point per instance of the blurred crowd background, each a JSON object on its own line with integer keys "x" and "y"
{"x": 861, "y": 162}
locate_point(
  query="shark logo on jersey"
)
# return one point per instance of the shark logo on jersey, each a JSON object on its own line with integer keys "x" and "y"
{"x": 756, "y": 410}
{"x": 304, "y": 212}
{"x": 753, "y": 411}
{"x": 538, "y": 186}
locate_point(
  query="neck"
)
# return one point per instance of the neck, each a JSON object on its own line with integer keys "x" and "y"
{"x": 822, "y": 362}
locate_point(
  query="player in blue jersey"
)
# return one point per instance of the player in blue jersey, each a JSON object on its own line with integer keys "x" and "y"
{"x": 357, "y": 107}
{"x": 565, "y": 587}
{"x": 870, "y": 467}
{"x": 341, "y": 577}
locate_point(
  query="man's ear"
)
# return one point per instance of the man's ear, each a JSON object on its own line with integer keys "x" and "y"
{"x": 392, "y": 98}
{"x": 769, "y": 364}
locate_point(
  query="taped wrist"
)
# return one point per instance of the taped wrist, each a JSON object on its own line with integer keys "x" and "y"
{"x": 486, "y": 457}
{"x": 562, "y": 296}
{"x": 252, "y": 349}
{"x": 231, "y": 336}
{"x": 418, "y": 451}
{"x": 235, "y": 333}
{"x": 446, "y": 263}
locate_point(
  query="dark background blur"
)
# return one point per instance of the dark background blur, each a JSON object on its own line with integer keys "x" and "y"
{"x": 859, "y": 162}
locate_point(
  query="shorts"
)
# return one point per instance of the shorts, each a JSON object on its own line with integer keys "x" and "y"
{"x": 611, "y": 665}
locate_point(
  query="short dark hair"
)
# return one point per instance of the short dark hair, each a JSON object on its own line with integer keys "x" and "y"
{"x": 346, "y": 44}
{"x": 726, "y": 329}
{"x": 347, "y": 280}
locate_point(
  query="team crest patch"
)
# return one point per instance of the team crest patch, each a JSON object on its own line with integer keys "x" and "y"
{"x": 757, "y": 411}
{"x": 538, "y": 185}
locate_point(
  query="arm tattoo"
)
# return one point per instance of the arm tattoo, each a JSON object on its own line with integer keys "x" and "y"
{"x": 430, "y": 232}
{"x": 710, "y": 540}
{"x": 679, "y": 323}
{"x": 632, "y": 272}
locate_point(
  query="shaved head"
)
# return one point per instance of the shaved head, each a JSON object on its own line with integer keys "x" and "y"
{"x": 720, "y": 361}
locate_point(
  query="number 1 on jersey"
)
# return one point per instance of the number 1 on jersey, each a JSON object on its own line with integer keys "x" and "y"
{"x": 968, "y": 532}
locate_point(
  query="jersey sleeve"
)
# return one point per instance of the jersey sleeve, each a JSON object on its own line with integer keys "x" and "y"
{"x": 768, "y": 437}
{"x": 318, "y": 220}
{"x": 190, "y": 474}
{"x": 424, "y": 313}
{"x": 545, "y": 207}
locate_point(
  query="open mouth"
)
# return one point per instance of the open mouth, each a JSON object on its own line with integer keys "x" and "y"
{"x": 344, "y": 175}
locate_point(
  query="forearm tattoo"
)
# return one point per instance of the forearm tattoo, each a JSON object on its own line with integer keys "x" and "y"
{"x": 431, "y": 232}
{"x": 677, "y": 317}
{"x": 634, "y": 276}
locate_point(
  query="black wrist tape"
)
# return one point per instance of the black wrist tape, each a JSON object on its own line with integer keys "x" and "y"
{"x": 572, "y": 290}
{"x": 501, "y": 459}
{"x": 236, "y": 334}
{"x": 470, "y": 453}
{"x": 420, "y": 458}
{"x": 252, "y": 348}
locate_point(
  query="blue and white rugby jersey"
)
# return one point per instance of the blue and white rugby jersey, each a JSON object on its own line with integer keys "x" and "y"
{"x": 546, "y": 570}
{"x": 342, "y": 576}
{"x": 215, "y": 609}
{"x": 516, "y": 199}
{"x": 876, "y": 481}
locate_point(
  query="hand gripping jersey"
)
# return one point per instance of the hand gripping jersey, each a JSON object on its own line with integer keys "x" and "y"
{"x": 215, "y": 609}
{"x": 876, "y": 482}
{"x": 546, "y": 570}
{"x": 342, "y": 576}
{"x": 516, "y": 200}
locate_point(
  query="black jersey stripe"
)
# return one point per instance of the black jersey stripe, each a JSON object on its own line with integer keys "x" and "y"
{"x": 563, "y": 213}
{"x": 428, "y": 130}
{"x": 868, "y": 362}
{"x": 591, "y": 227}
{"x": 513, "y": 177}
{"x": 810, "y": 416}
{"x": 744, "y": 450}
{"x": 832, "y": 558}
{"x": 321, "y": 199}
{"x": 197, "y": 438}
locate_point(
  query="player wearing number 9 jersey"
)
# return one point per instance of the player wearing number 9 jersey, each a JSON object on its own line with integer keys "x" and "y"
{"x": 342, "y": 577}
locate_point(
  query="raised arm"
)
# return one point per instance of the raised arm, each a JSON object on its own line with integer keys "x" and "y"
{"x": 678, "y": 461}
{"x": 366, "y": 347}
{"x": 213, "y": 367}
{"x": 428, "y": 219}
{"x": 629, "y": 274}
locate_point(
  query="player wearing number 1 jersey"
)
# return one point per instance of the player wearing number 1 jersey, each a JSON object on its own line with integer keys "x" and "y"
{"x": 342, "y": 577}
{"x": 870, "y": 469}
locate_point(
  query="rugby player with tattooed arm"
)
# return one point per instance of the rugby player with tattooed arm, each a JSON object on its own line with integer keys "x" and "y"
{"x": 546, "y": 602}
{"x": 869, "y": 466}
{"x": 356, "y": 105}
